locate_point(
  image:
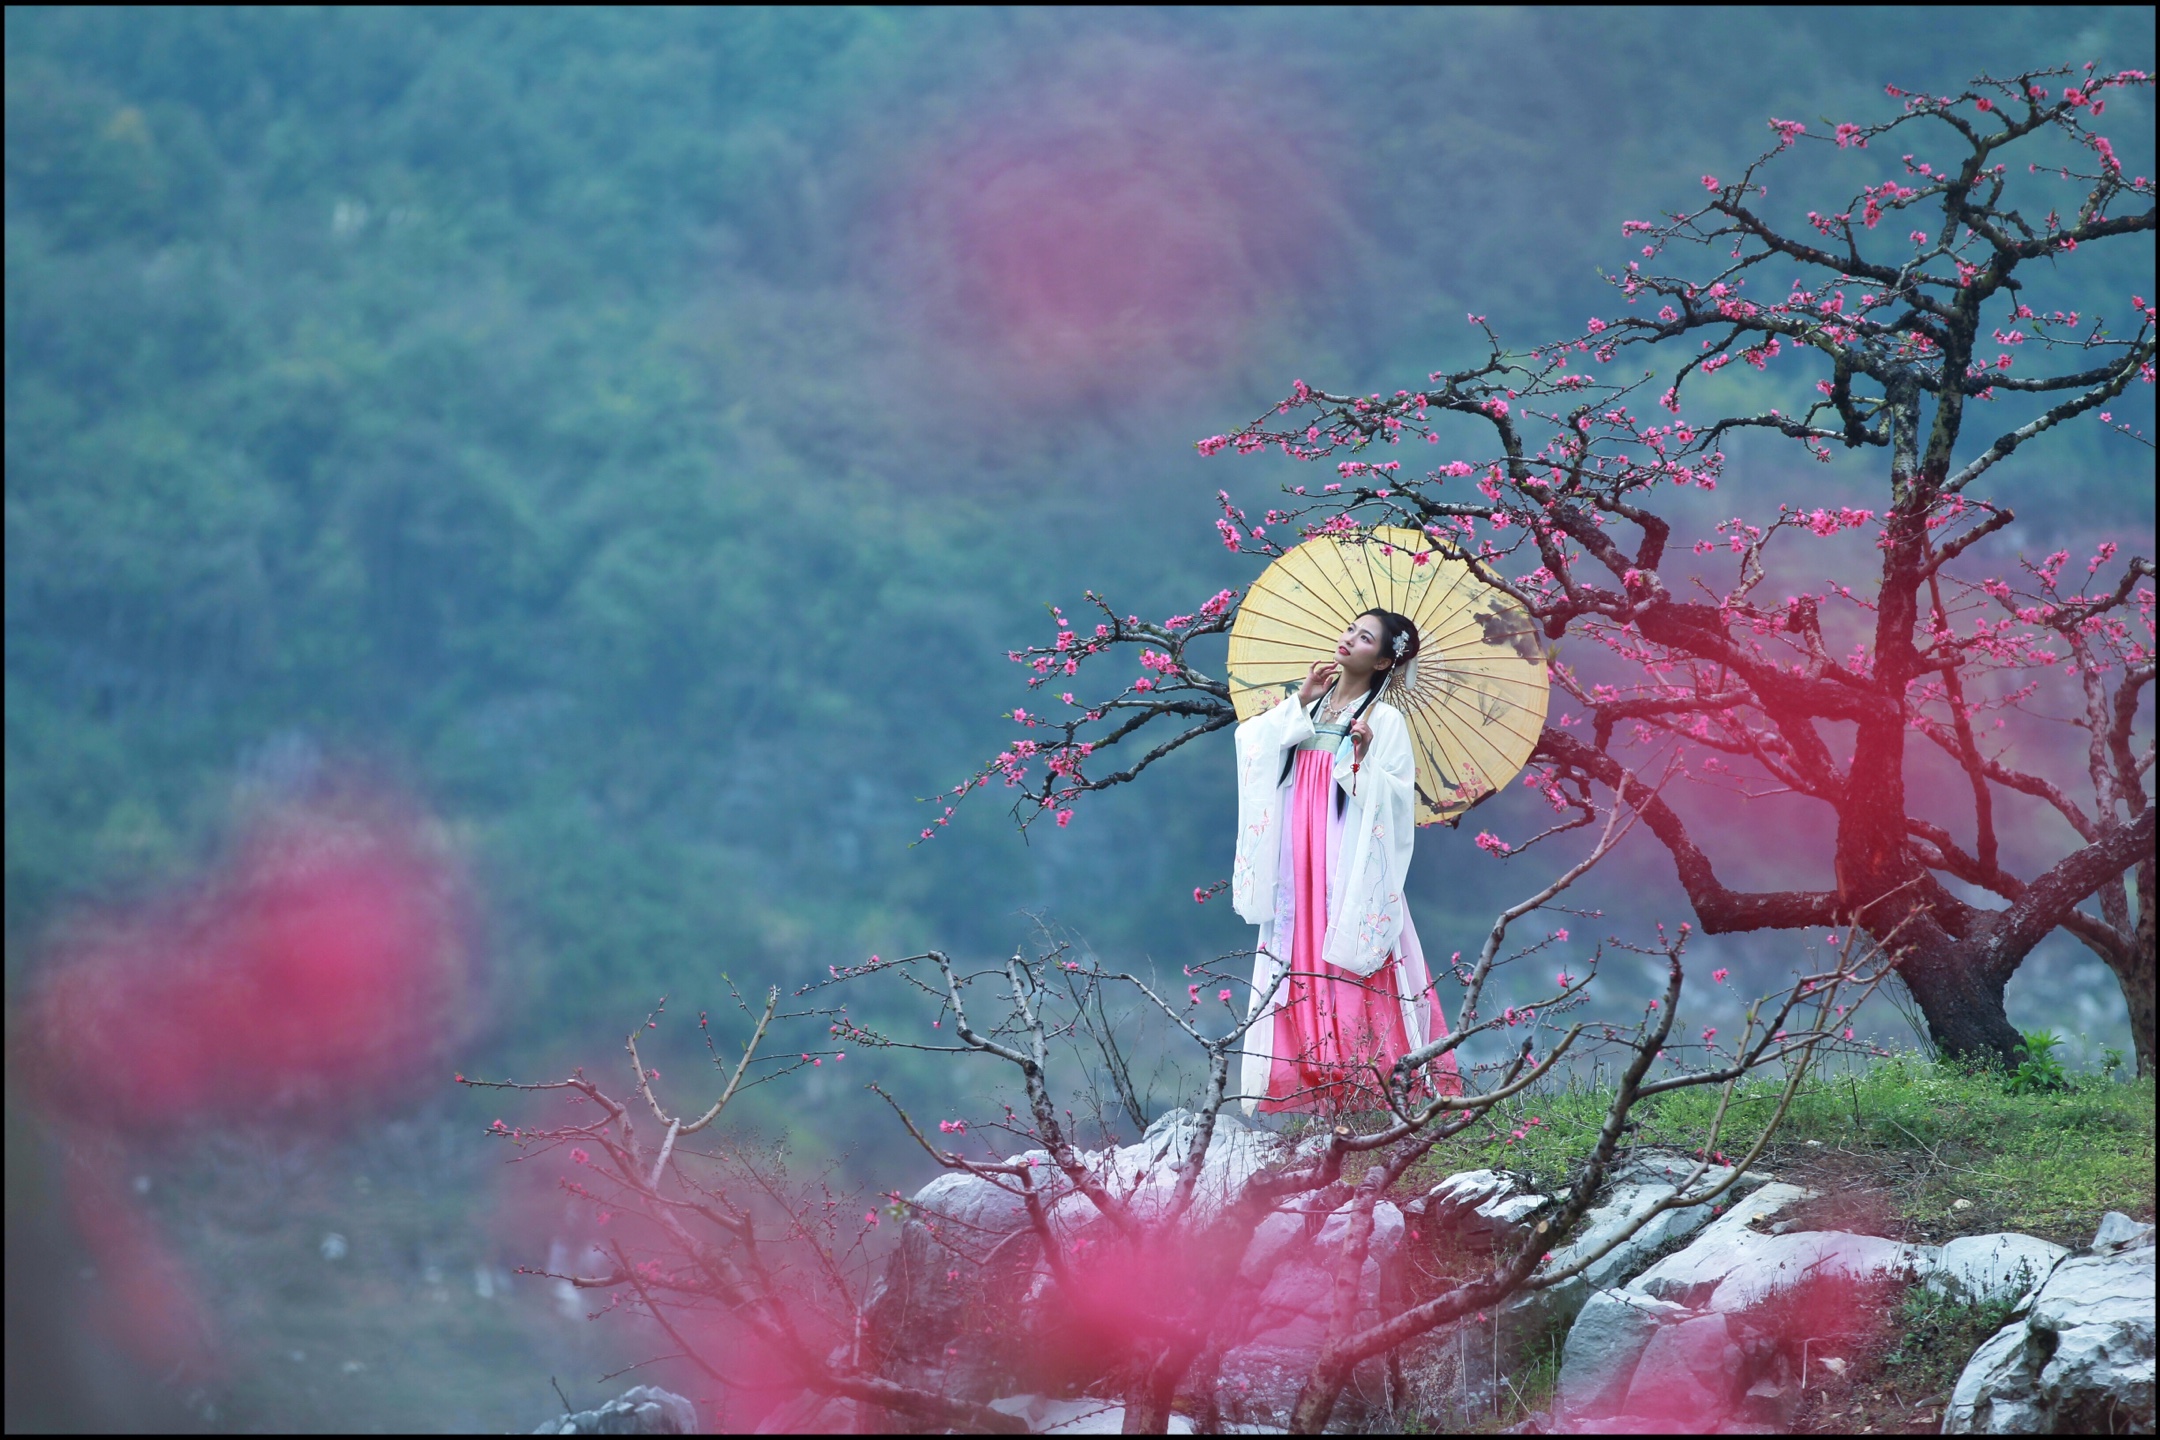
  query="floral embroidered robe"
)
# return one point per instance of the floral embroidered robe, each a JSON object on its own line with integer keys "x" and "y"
{"x": 1366, "y": 856}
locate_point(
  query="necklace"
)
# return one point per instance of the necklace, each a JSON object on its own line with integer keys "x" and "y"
{"x": 1332, "y": 709}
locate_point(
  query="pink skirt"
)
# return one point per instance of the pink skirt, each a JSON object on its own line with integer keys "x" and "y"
{"x": 1336, "y": 1034}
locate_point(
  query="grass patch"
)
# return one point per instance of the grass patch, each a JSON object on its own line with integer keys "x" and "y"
{"x": 1937, "y": 1334}
{"x": 1435, "y": 1396}
{"x": 2048, "y": 1163}
{"x": 1529, "y": 1386}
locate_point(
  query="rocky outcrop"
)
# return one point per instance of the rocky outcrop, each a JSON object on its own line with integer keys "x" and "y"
{"x": 2078, "y": 1356}
{"x": 1715, "y": 1336}
{"x": 1143, "y": 1175}
{"x": 1266, "y": 1365}
{"x": 966, "y": 1305}
{"x": 964, "y": 1256}
{"x": 1476, "y": 1209}
{"x": 1730, "y": 1267}
{"x": 642, "y": 1410}
{"x": 1706, "y": 1319}
{"x": 1604, "y": 1347}
{"x": 1710, "y": 1337}
{"x": 1084, "y": 1416}
{"x": 1638, "y": 1187}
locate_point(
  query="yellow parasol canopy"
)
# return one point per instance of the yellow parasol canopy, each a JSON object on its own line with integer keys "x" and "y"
{"x": 1478, "y": 700}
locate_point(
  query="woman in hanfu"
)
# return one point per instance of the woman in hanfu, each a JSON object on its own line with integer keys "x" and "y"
{"x": 1326, "y": 796}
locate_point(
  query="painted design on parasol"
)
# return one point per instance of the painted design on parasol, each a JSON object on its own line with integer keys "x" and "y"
{"x": 1475, "y": 701}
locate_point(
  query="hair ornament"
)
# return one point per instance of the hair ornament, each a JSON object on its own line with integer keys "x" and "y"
{"x": 1402, "y": 643}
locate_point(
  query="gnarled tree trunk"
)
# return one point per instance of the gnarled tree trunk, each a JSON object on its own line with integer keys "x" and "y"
{"x": 1963, "y": 1004}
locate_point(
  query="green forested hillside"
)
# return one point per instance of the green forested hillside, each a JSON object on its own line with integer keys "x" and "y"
{"x": 538, "y": 407}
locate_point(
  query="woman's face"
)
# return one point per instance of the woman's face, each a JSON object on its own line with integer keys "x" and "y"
{"x": 1358, "y": 651}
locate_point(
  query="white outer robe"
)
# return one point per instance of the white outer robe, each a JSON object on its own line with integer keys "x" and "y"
{"x": 1367, "y": 915}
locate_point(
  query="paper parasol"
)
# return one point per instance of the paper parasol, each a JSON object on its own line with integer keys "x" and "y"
{"x": 1478, "y": 699}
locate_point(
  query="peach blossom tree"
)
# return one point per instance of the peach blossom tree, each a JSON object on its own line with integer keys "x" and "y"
{"x": 1912, "y": 308}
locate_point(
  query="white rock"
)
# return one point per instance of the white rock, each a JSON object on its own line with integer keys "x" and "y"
{"x": 1730, "y": 1267}
{"x": 1603, "y": 1346}
{"x": 1466, "y": 1190}
{"x": 1626, "y": 1205}
{"x": 1689, "y": 1369}
{"x": 975, "y": 1213}
{"x": 1993, "y": 1267}
{"x": 1694, "y": 1273}
{"x": 2081, "y": 1360}
{"x": 640, "y": 1410}
{"x": 1994, "y": 1394}
{"x": 1145, "y": 1175}
{"x": 1768, "y": 1264}
{"x": 1664, "y": 1167}
{"x": 1529, "y": 1314}
{"x": 972, "y": 1239}
{"x": 1480, "y": 1205}
{"x": 1259, "y": 1379}
{"x": 1639, "y": 1185}
{"x": 1084, "y": 1416}
{"x": 2119, "y": 1232}
{"x": 973, "y": 1204}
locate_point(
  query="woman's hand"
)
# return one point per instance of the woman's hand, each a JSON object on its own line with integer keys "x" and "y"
{"x": 1317, "y": 681}
{"x": 1360, "y": 739}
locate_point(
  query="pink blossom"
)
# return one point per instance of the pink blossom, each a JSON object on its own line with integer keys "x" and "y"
{"x": 1223, "y": 995}
{"x": 1719, "y": 975}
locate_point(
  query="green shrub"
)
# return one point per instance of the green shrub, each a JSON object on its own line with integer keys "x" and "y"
{"x": 2037, "y": 1069}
